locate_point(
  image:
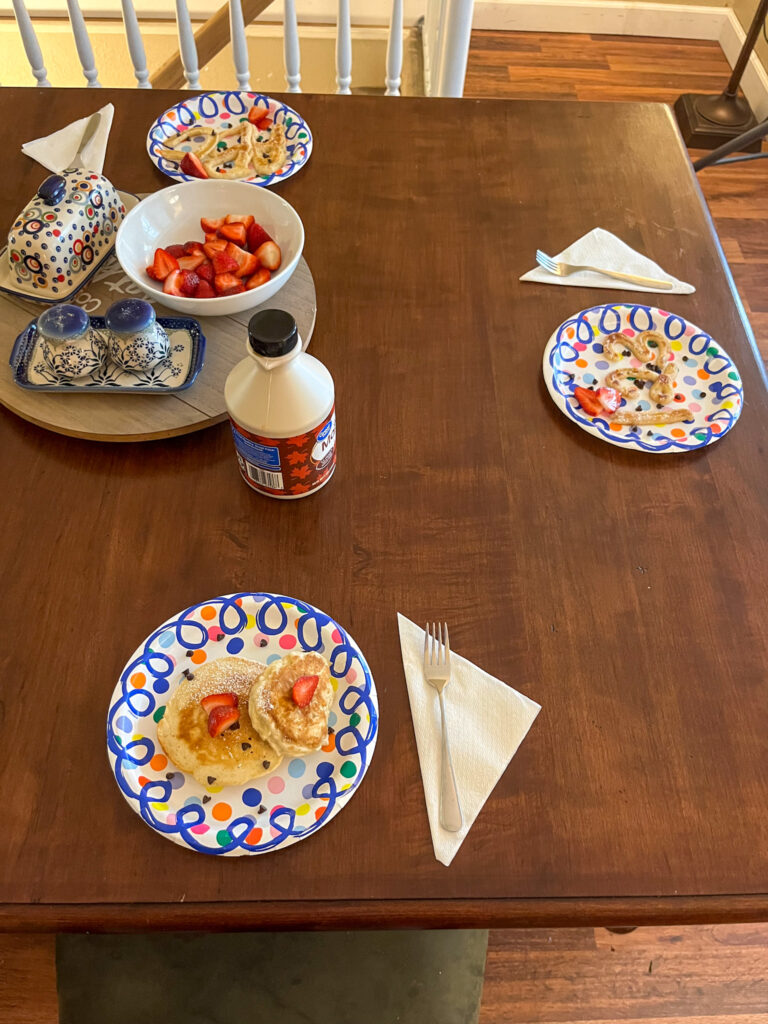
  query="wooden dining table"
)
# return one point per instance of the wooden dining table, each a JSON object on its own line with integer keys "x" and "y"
{"x": 625, "y": 592}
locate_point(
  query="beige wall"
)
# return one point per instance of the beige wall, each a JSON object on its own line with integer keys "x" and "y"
{"x": 745, "y": 11}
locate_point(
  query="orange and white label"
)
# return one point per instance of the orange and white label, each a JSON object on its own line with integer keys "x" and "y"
{"x": 287, "y": 466}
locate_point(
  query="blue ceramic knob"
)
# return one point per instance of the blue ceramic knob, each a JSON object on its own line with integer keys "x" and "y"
{"x": 129, "y": 316}
{"x": 53, "y": 190}
{"x": 60, "y": 323}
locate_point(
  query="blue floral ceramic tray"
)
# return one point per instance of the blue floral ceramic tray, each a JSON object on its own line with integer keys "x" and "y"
{"x": 174, "y": 373}
{"x": 278, "y": 809}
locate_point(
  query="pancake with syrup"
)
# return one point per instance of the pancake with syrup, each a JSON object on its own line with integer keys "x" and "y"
{"x": 291, "y": 727}
{"x": 238, "y": 754}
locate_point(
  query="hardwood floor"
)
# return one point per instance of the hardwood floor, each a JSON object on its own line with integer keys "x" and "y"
{"x": 533, "y": 65}
{"x": 716, "y": 975}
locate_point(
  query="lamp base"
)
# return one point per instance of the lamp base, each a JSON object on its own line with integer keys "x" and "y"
{"x": 706, "y": 122}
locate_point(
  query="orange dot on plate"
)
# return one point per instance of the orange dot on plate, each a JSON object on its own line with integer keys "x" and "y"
{"x": 319, "y": 813}
{"x": 198, "y": 657}
{"x": 221, "y": 812}
{"x": 208, "y": 612}
{"x": 143, "y": 781}
{"x": 616, "y": 426}
{"x": 702, "y": 374}
{"x": 581, "y": 362}
{"x": 716, "y": 428}
{"x": 677, "y": 432}
{"x": 569, "y": 333}
{"x": 158, "y": 762}
{"x": 254, "y": 836}
{"x": 330, "y": 746}
{"x": 239, "y": 601}
{"x": 138, "y": 679}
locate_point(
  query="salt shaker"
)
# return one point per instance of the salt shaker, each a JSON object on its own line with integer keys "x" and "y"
{"x": 69, "y": 344}
{"x": 135, "y": 339}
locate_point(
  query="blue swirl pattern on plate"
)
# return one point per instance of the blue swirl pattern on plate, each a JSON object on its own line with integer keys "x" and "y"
{"x": 312, "y": 789}
{"x": 227, "y": 109}
{"x": 708, "y": 378}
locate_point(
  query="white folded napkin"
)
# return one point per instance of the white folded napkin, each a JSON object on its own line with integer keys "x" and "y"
{"x": 487, "y": 721}
{"x": 59, "y": 151}
{"x": 600, "y": 248}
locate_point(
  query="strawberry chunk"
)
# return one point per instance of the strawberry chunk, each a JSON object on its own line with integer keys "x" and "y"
{"x": 233, "y": 233}
{"x": 263, "y": 123}
{"x": 588, "y": 401}
{"x": 228, "y": 284}
{"x": 239, "y": 218}
{"x": 192, "y": 262}
{"x": 211, "y": 248}
{"x": 247, "y": 263}
{"x": 162, "y": 265}
{"x": 204, "y": 290}
{"x": 192, "y": 165}
{"x": 269, "y": 255}
{"x": 206, "y": 272}
{"x": 256, "y": 114}
{"x": 257, "y": 236}
{"x": 219, "y": 700}
{"x": 172, "y": 283}
{"x": 304, "y": 690}
{"x": 210, "y": 226}
{"x": 224, "y": 263}
{"x": 211, "y": 236}
{"x": 610, "y": 399}
{"x": 189, "y": 282}
{"x": 175, "y": 250}
{"x": 192, "y": 248}
{"x": 221, "y": 719}
{"x": 261, "y": 276}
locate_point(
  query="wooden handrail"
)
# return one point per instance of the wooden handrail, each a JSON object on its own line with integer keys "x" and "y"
{"x": 210, "y": 39}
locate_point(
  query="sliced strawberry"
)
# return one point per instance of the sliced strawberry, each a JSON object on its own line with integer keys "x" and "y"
{"x": 233, "y": 233}
{"x": 261, "y": 277}
{"x": 206, "y": 272}
{"x": 226, "y": 284}
{"x": 221, "y": 719}
{"x": 588, "y": 401}
{"x": 269, "y": 255}
{"x": 263, "y": 123}
{"x": 211, "y": 248}
{"x": 162, "y": 265}
{"x": 610, "y": 399}
{"x": 249, "y": 267}
{"x": 204, "y": 290}
{"x": 304, "y": 690}
{"x": 189, "y": 282}
{"x": 233, "y": 291}
{"x": 192, "y": 248}
{"x": 257, "y": 236}
{"x": 256, "y": 114}
{"x": 247, "y": 263}
{"x": 210, "y": 226}
{"x": 175, "y": 250}
{"x": 223, "y": 263}
{"x": 219, "y": 700}
{"x": 192, "y": 165}
{"x": 192, "y": 262}
{"x": 172, "y": 284}
{"x": 211, "y": 236}
{"x": 239, "y": 218}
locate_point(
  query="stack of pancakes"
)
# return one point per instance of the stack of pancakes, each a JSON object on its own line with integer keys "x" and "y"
{"x": 270, "y": 725}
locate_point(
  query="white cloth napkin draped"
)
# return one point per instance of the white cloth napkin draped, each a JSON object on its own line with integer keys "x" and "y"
{"x": 487, "y": 722}
{"x": 599, "y": 248}
{"x": 59, "y": 150}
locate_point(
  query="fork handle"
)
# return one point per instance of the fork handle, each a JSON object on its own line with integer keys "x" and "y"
{"x": 450, "y": 809}
{"x": 650, "y": 282}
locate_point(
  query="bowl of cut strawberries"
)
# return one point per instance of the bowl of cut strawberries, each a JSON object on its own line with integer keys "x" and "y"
{"x": 210, "y": 248}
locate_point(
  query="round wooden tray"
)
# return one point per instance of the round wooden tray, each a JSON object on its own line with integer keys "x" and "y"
{"x": 127, "y": 417}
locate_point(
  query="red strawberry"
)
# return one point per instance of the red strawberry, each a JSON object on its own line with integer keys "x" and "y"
{"x": 221, "y": 719}
{"x": 610, "y": 399}
{"x": 172, "y": 284}
{"x": 192, "y": 165}
{"x": 228, "y": 284}
{"x": 264, "y": 123}
{"x": 233, "y": 233}
{"x": 175, "y": 250}
{"x": 304, "y": 690}
{"x": 260, "y": 277}
{"x": 162, "y": 265}
{"x": 189, "y": 282}
{"x": 219, "y": 700}
{"x": 209, "y": 226}
{"x": 204, "y": 291}
{"x": 257, "y": 236}
{"x": 223, "y": 263}
{"x": 211, "y": 248}
{"x": 588, "y": 401}
{"x": 239, "y": 218}
{"x": 269, "y": 255}
{"x": 192, "y": 248}
{"x": 211, "y": 236}
{"x": 256, "y": 114}
{"x": 192, "y": 262}
{"x": 206, "y": 272}
{"x": 247, "y": 263}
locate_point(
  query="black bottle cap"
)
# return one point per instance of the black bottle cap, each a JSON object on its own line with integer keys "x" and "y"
{"x": 272, "y": 333}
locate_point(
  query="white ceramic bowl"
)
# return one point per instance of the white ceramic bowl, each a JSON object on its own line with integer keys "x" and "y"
{"x": 173, "y": 214}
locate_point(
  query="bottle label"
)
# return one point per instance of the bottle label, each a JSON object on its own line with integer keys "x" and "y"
{"x": 287, "y": 466}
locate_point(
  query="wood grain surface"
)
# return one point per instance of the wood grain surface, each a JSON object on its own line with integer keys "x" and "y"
{"x": 624, "y": 593}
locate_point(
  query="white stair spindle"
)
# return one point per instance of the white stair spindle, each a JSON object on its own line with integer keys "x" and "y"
{"x": 395, "y": 49}
{"x": 239, "y": 44}
{"x": 31, "y": 45}
{"x": 457, "y": 29}
{"x": 343, "y": 50}
{"x": 83, "y": 44}
{"x": 291, "y": 48}
{"x": 135, "y": 45}
{"x": 187, "y": 46}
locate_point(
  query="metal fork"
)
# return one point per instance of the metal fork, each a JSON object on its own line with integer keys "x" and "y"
{"x": 564, "y": 269}
{"x": 437, "y": 672}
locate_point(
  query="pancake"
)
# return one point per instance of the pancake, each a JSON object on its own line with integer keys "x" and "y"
{"x": 235, "y": 756}
{"x": 291, "y": 729}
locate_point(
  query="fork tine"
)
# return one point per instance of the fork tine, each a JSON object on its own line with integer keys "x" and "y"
{"x": 545, "y": 261}
{"x": 447, "y": 647}
{"x": 439, "y": 642}
{"x": 433, "y": 657}
{"x": 426, "y": 643}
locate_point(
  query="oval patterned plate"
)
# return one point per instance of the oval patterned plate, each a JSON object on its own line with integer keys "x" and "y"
{"x": 223, "y": 110}
{"x": 707, "y": 379}
{"x": 278, "y": 809}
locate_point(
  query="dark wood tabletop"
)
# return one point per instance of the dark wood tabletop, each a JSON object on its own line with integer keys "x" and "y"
{"x": 626, "y": 593}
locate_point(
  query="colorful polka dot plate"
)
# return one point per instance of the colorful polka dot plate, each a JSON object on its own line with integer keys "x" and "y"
{"x": 278, "y": 809}
{"x": 708, "y": 382}
{"x": 224, "y": 110}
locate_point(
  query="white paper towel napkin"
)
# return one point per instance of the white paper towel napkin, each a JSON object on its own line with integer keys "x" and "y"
{"x": 59, "y": 151}
{"x": 487, "y": 722}
{"x": 600, "y": 248}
